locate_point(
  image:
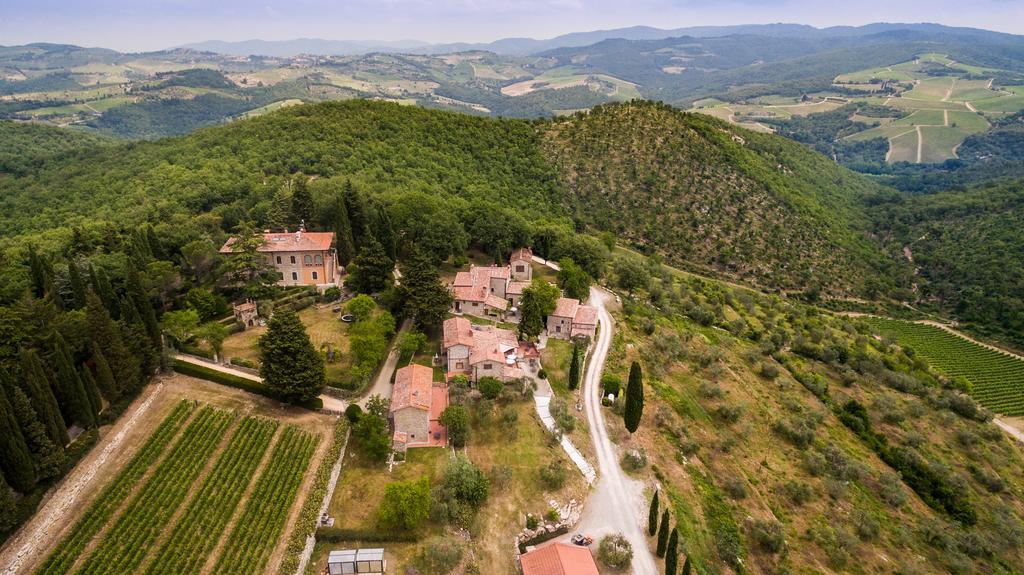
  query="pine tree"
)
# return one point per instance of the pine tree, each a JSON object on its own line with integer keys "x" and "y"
{"x": 344, "y": 245}
{"x": 385, "y": 232}
{"x": 663, "y": 534}
{"x": 686, "y": 566}
{"x": 426, "y": 297}
{"x": 101, "y": 286}
{"x": 652, "y": 516}
{"x": 574, "y": 368}
{"x": 672, "y": 553}
{"x": 47, "y": 457}
{"x": 68, "y": 387}
{"x": 355, "y": 207}
{"x": 291, "y": 366}
{"x": 8, "y": 508}
{"x": 36, "y": 384}
{"x": 634, "y": 398}
{"x": 144, "y": 307}
{"x": 104, "y": 377}
{"x": 302, "y": 200}
{"x": 15, "y": 457}
{"x": 37, "y": 272}
{"x": 77, "y": 286}
{"x": 155, "y": 248}
{"x": 52, "y": 294}
{"x": 107, "y": 335}
{"x": 371, "y": 271}
{"x": 91, "y": 392}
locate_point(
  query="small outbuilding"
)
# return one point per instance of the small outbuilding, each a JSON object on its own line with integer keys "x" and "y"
{"x": 362, "y": 561}
{"x": 559, "y": 559}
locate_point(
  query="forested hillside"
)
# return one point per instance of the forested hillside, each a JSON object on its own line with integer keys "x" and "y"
{"x": 968, "y": 247}
{"x": 24, "y": 147}
{"x": 700, "y": 191}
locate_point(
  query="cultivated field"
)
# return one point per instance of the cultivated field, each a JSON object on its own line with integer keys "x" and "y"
{"x": 209, "y": 481}
{"x": 997, "y": 379}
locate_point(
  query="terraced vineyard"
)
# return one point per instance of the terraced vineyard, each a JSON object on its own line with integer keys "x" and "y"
{"x": 176, "y": 500}
{"x": 997, "y": 379}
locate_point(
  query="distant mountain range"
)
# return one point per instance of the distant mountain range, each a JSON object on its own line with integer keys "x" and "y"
{"x": 528, "y": 46}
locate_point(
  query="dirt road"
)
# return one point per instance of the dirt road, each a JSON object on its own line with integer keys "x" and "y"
{"x": 618, "y": 503}
{"x": 382, "y": 385}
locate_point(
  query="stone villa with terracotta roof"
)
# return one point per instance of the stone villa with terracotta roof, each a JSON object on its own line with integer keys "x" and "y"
{"x": 572, "y": 319}
{"x": 416, "y": 405}
{"x": 302, "y": 258}
{"x": 480, "y": 350}
{"x": 493, "y": 292}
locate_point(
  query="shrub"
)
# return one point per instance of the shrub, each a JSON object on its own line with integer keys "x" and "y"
{"x": 353, "y": 412}
{"x": 769, "y": 370}
{"x": 542, "y": 374}
{"x": 439, "y": 556}
{"x": 890, "y": 489}
{"x": 332, "y": 293}
{"x": 552, "y": 515}
{"x": 709, "y": 390}
{"x": 798, "y": 492}
{"x": 615, "y": 552}
{"x": 611, "y": 384}
{"x": 735, "y": 488}
{"x": 230, "y": 380}
{"x": 553, "y": 475}
{"x": 767, "y": 534}
{"x": 489, "y": 387}
{"x": 729, "y": 413}
{"x": 463, "y": 490}
{"x": 796, "y": 430}
{"x": 405, "y": 505}
{"x": 242, "y": 362}
{"x": 865, "y": 525}
{"x": 531, "y": 521}
{"x": 634, "y": 460}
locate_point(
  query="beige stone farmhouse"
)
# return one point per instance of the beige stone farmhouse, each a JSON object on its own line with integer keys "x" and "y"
{"x": 302, "y": 258}
{"x": 480, "y": 351}
{"x": 572, "y": 319}
{"x": 416, "y": 405}
{"x": 493, "y": 292}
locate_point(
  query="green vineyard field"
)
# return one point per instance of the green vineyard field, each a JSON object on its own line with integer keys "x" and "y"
{"x": 997, "y": 379}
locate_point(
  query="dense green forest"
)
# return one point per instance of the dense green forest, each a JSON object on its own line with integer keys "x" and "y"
{"x": 27, "y": 146}
{"x": 968, "y": 247}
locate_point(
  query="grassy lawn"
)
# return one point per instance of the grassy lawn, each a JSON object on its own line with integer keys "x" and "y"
{"x": 521, "y": 451}
{"x": 555, "y": 358}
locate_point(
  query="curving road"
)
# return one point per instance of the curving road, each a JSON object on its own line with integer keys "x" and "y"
{"x": 617, "y": 504}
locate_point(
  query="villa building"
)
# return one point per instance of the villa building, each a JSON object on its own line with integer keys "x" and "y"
{"x": 480, "y": 351}
{"x": 572, "y": 319}
{"x": 302, "y": 258}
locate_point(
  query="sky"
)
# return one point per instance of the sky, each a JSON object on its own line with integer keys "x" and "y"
{"x": 141, "y": 25}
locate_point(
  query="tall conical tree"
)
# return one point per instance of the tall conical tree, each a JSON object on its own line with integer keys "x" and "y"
{"x": 144, "y": 306}
{"x": 426, "y": 297}
{"x": 371, "y": 272}
{"x": 355, "y": 207}
{"x": 91, "y": 392}
{"x": 47, "y": 457}
{"x": 574, "y": 368}
{"x": 672, "y": 553}
{"x": 104, "y": 377}
{"x": 155, "y": 248}
{"x": 68, "y": 387}
{"x": 52, "y": 294}
{"x": 8, "y": 508}
{"x": 634, "y": 410}
{"x": 37, "y": 272}
{"x": 385, "y": 232}
{"x": 36, "y": 384}
{"x": 77, "y": 286}
{"x": 686, "y": 566}
{"x": 101, "y": 286}
{"x": 15, "y": 457}
{"x": 344, "y": 245}
{"x": 106, "y": 333}
{"x": 302, "y": 200}
{"x": 291, "y": 366}
{"x": 663, "y": 534}
{"x": 652, "y": 516}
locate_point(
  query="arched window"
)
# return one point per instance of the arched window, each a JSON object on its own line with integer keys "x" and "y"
{"x": 318, "y": 259}
{"x": 307, "y": 260}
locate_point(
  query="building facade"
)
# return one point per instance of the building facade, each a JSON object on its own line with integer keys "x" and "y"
{"x": 302, "y": 258}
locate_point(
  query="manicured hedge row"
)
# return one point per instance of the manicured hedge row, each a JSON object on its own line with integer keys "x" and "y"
{"x": 230, "y": 380}
{"x": 339, "y": 535}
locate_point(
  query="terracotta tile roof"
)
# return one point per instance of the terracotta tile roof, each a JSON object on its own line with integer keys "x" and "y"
{"x": 586, "y": 315}
{"x": 492, "y": 344}
{"x": 522, "y": 254}
{"x": 412, "y": 387}
{"x": 457, "y": 331}
{"x": 559, "y": 559}
{"x": 566, "y": 307}
{"x": 516, "y": 288}
{"x": 290, "y": 242}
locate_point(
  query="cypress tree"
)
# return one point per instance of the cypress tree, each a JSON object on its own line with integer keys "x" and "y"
{"x": 343, "y": 242}
{"x": 291, "y": 366}
{"x": 77, "y": 286}
{"x": 36, "y": 385}
{"x": 634, "y": 398}
{"x": 91, "y": 392}
{"x": 37, "y": 272}
{"x": 355, "y": 207}
{"x": 155, "y": 249}
{"x": 672, "y": 553}
{"x": 663, "y": 534}
{"x": 101, "y": 286}
{"x": 52, "y": 294}
{"x": 302, "y": 201}
{"x": 686, "y": 566}
{"x": 104, "y": 377}
{"x": 574, "y": 368}
{"x": 107, "y": 335}
{"x": 8, "y": 508}
{"x": 15, "y": 457}
{"x": 47, "y": 457}
{"x": 372, "y": 270}
{"x": 385, "y": 232}
{"x": 144, "y": 307}
{"x": 68, "y": 387}
{"x": 652, "y": 516}
{"x": 426, "y": 297}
